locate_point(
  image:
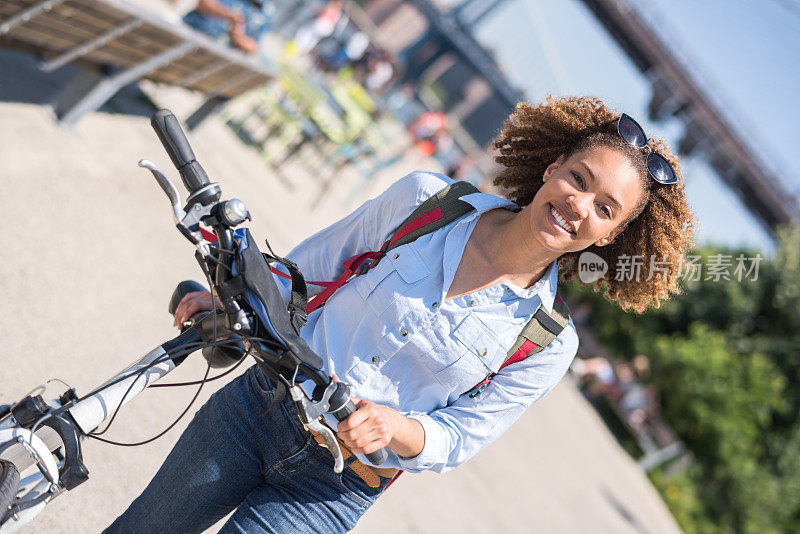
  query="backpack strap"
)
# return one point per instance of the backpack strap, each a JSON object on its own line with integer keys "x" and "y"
{"x": 540, "y": 331}
{"x": 436, "y": 212}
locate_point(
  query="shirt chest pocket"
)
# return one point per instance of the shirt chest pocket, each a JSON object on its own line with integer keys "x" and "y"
{"x": 392, "y": 278}
{"x": 481, "y": 353}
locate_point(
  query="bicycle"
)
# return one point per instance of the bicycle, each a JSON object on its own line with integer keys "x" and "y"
{"x": 44, "y": 436}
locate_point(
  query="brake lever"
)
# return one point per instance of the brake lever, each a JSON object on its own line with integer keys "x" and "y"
{"x": 180, "y": 215}
{"x": 310, "y": 413}
{"x": 330, "y": 442}
{"x": 167, "y": 186}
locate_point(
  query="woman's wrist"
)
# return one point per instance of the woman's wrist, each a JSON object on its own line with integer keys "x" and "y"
{"x": 408, "y": 435}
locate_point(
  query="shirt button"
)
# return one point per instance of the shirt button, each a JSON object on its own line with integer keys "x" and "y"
{"x": 404, "y": 332}
{"x": 435, "y": 305}
{"x": 376, "y": 360}
{"x": 473, "y": 302}
{"x": 395, "y": 256}
{"x": 483, "y": 352}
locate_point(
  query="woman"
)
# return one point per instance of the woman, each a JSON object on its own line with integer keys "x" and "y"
{"x": 426, "y": 324}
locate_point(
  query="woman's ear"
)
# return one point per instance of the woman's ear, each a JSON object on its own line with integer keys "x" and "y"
{"x": 605, "y": 240}
{"x": 609, "y": 237}
{"x": 552, "y": 167}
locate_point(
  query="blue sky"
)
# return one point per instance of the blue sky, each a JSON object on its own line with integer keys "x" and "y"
{"x": 747, "y": 52}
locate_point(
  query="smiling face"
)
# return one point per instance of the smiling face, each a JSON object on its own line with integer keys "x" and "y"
{"x": 584, "y": 199}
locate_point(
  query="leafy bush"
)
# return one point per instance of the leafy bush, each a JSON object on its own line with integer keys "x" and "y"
{"x": 725, "y": 358}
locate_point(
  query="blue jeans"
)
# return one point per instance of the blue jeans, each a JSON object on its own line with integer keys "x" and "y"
{"x": 265, "y": 466}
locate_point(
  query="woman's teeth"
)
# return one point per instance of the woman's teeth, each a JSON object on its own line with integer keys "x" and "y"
{"x": 560, "y": 220}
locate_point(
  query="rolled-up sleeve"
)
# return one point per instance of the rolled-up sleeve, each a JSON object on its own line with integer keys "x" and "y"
{"x": 457, "y": 432}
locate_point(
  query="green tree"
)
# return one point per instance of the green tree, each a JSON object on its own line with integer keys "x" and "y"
{"x": 721, "y": 404}
{"x": 726, "y": 362}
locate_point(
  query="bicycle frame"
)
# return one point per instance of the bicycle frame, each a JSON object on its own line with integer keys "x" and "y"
{"x": 53, "y": 431}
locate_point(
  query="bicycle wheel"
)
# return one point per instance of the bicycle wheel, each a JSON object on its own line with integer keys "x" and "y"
{"x": 9, "y": 483}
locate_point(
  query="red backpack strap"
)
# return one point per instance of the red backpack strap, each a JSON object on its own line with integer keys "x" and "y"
{"x": 540, "y": 331}
{"x": 439, "y": 210}
{"x": 350, "y": 265}
{"x": 209, "y": 236}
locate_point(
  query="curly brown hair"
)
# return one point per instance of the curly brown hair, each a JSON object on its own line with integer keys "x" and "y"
{"x": 659, "y": 227}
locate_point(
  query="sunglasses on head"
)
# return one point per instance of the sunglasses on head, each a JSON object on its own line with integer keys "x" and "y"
{"x": 657, "y": 165}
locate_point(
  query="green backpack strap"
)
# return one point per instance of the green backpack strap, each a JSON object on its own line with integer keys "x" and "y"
{"x": 438, "y": 211}
{"x": 540, "y": 331}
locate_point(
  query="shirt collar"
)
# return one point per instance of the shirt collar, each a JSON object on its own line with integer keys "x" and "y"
{"x": 547, "y": 285}
{"x": 484, "y": 202}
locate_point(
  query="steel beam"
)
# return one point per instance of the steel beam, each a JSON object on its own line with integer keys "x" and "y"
{"x": 107, "y": 87}
{"x": 26, "y": 15}
{"x": 88, "y": 46}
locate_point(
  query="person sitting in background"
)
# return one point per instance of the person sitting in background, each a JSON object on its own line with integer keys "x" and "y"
{"x": 636, "y": 401}
{"x": 243, "y": 21}
{"x": 333, "y": 54}
{"x": 428, "y": 131}
{"x": 595, "y": 375}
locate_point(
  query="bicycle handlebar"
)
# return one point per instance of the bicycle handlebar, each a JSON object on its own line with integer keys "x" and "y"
{"x": 180, "y": 152}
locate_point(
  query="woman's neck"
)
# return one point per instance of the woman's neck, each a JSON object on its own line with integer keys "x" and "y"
{"x": 500, "y": 250}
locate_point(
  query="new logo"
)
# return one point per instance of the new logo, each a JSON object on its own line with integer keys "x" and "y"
{"x": 591, "y": 267}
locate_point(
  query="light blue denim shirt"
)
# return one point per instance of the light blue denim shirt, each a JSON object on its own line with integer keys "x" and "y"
{"x": 394, "y": 338}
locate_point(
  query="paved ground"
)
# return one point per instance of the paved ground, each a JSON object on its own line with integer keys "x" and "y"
{"x": 90, "y": 257}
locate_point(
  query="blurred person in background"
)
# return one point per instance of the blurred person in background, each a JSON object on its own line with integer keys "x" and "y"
{"x": 242, "y": 22}
{"x": 595, "y": 375}
{"x": 635, "y": 400}
{"x": 333, "y": 55}
{"x": 378, "y": 71}
{"x": 324, "y": 24}
{"x": 428, "y": 131}
{"x": 415, "y": 336}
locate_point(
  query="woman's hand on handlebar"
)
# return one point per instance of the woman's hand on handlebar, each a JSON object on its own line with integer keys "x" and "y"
{"x": 372, "y": 427}
{"x": 369, "y": 428}
{"x": 192, "y": 303}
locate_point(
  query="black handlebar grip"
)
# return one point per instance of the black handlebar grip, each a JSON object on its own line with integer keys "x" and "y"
{"x": 377, "y": 457}
{"x": 187, "y": 286}
{"x": 171, "y": 135}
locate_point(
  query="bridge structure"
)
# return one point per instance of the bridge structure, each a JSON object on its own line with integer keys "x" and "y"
{"x": 679, "y": 90}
